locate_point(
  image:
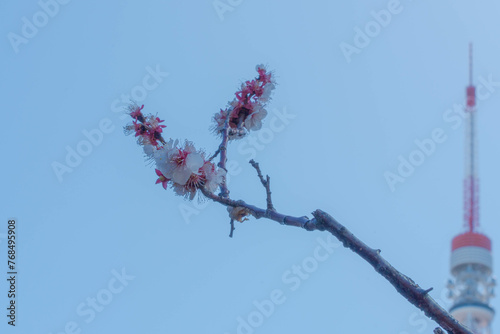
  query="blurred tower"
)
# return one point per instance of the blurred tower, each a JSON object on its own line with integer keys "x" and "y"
{"x": 471, "y": 262}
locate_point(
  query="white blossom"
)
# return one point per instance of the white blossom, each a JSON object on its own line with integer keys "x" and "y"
{"x": 254, "y": 120}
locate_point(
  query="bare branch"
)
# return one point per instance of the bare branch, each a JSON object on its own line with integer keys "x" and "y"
{"x": 257, "y": 212}
{"x": 323, "y": 221}
{"x": 223, "y": 155}
{"x": 215, "y": 154}
{"x": 403, "y": 284}
{"x": 266, "y": 183}
{"x": 232, "y": 228}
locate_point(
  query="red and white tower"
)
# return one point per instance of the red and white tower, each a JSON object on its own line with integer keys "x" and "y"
{"x": 471, "y": 262}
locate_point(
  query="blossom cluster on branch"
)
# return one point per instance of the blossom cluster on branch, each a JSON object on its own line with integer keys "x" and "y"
{"x": 182, "y": 166}
{"x": 147, "y": 128}
{"x": 188, "y": 171}
{"x": 247, "y": 111}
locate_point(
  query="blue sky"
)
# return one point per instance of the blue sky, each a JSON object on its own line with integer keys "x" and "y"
{"x": 102, "y": 233}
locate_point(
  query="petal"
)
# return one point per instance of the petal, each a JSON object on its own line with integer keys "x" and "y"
{"x": 167, "y": 168}
{"x": 181, "y": 175}
{"x": 179, "y": 190}
{"x": 149, "y": 150}
{"x": 257, "y": 125}
{"x": 191, "y": 196}
{"x": 262, "y": 113}
{"x": 194, "y": 161}
{"x": 221, "y": 174}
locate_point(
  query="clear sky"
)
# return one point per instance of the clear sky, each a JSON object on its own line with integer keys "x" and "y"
{"x": 102, "y": 249}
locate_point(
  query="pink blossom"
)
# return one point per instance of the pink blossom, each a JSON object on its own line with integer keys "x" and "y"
{"x": 254, "y": 121}
{"x": 239, "y": 114}
{"x": 266, "y": 93}
{"x": 161, "y": 179}
{"x": 135, "y": 112}
{"x": 154, "y": 129}
{"x": 179, "y": 163}
{"x": 219, "y": 119}
{"x": 147, "y": 128}
{"x": 214, "y": 176}
{"x": 245, "y": 111}
{"x": 186, "y": 168}
{"x": 264, "y": 76}
{"x": 140, "y": 129}
{"x": 192, "y": 185}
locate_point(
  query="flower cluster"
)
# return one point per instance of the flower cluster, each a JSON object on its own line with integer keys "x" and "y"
{"x": 182, "y": 167}
{"x": 246, "y": 111}
{"x": 185, "y": 168}
{"x": 147, "y": 128}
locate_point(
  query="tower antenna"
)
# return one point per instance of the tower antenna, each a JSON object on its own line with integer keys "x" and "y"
{"x": 471, "y": 181}
{"x": 470, "y": 64}
{"x": 471, "y": 261}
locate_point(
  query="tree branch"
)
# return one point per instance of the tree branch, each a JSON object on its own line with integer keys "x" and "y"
{"x": 266, "y": 183}
{"x": 257, "y": 212}
{"x": 403, "y": 284}
{"x": 215, "y": 154}
{"x": 323, "y": 221}
{"x": 232, "y": 228}
{"x": 223, "y": 156}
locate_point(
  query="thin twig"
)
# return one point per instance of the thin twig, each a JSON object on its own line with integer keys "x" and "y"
{"x": 224, "y": 191}
{"x": 266, "y": 183}
{"x": 232, "y": 228}
{"x": 257, "y": 212}
{"x": 323, "y": 221}
{"x": 223, "y": 155}
{"x": 215, "y": 154}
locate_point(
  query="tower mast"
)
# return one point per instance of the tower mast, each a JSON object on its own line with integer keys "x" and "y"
{"x": 471, "y": 182}
{"x": 471, "y": 262}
